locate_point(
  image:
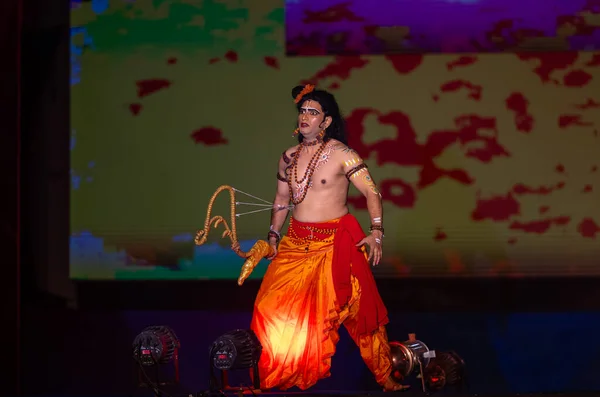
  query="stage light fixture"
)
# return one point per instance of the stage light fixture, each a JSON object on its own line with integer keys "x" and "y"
{"x": 446, "y": 369}
{"x": 408, "y": 356}
{"x": 156, "y": 346}
{"x": 437, "y": 371}
{"x": 237, "y": 349}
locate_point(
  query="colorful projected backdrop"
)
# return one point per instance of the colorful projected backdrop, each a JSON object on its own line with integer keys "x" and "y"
{"x": 339, "y": 27}
{"x": 488, "y": 164}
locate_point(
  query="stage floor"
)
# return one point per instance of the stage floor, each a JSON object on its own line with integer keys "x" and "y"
{"x": 413, "y": 392}
{"x": 322, "y": 393}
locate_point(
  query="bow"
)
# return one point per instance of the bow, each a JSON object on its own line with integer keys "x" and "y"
{"x": 259, "y": 250}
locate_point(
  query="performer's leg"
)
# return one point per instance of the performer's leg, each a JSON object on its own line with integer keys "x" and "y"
{"x": 374, "y": 348}
{"x": 293, "y": 313}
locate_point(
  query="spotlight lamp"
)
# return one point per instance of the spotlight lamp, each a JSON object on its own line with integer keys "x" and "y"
{"x": 446, "y": 369}
{"x": 234, "y": 350}
{"x": 156, "y": 346}
{"x": 436, "y": 371}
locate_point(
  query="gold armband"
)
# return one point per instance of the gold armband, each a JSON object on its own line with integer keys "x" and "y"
{"x": 355, "y": 170}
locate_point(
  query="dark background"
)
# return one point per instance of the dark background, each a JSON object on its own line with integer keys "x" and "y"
{"x": 516, "y": 335}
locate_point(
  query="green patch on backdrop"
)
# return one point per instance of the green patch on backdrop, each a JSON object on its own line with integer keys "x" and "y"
{"x": 166, "y": 24}
{"x": 277, "y": 15}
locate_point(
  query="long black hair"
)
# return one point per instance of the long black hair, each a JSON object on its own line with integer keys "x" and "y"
{"x": 337, "y": 128}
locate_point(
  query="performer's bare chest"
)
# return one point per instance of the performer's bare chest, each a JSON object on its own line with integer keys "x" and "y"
{"x": 319, "y": 167}
{"x": 317, "y": 171}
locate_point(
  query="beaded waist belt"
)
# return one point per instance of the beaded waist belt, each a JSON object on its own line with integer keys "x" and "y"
{"x": 306, "y": 232}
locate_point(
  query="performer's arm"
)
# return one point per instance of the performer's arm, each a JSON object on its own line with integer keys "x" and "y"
{"x": 280, "y": 209}
{"x": 358, "y": 174}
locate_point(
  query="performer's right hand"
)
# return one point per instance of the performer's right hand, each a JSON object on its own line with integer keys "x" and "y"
{"x": 273, "y": 244}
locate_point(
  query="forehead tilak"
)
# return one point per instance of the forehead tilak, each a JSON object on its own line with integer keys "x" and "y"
{"x": 307, "y": 106}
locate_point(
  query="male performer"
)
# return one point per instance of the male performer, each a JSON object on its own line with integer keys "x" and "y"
{"x": 319, "y": 276}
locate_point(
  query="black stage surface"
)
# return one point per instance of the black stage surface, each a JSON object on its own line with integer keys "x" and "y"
{"x": 411, "y": 392}
{"x": 338, "y": 393}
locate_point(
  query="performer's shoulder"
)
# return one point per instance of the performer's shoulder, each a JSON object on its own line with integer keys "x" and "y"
{"x": 342, "y": 148}
{"x": 291, "y": 150}
{"x": 288, "y": 154}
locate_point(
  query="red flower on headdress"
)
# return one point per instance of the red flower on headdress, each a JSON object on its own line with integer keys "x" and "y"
{"x": 306, "y": 90}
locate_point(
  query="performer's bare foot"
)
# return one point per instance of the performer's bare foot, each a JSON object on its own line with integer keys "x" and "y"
{"x": 391, "y": 385}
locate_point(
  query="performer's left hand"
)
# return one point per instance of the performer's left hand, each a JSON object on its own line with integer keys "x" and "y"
{"x": 373, "y": 241}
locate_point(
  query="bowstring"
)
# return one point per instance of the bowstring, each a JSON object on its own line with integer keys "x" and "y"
{"x": 252, "y": 212}
{"x": 250, "y": 195}
{"x": 268, "y": 206}
{"x": 254, "y": 204}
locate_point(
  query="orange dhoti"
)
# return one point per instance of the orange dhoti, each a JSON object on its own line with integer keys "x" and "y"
{"x": 318, "y": 280}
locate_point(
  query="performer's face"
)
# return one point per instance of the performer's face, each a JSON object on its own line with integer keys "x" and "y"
{"x": 311, "y": 119}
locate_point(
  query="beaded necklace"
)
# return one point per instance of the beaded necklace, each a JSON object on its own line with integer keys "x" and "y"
{"x": 308, "y": 174}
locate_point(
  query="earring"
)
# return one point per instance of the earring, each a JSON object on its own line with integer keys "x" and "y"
{"x": 296, "y": 131}
{"x": 321, "y": 134}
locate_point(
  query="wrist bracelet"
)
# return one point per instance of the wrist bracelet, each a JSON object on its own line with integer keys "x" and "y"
{"x": 271, "y": 229}
{"x": 377, "y": 227}
{"x": 273, "y": 233}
